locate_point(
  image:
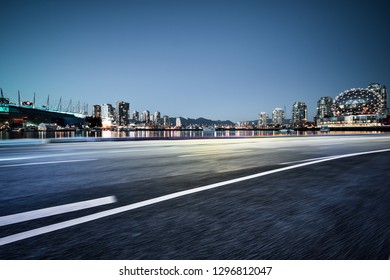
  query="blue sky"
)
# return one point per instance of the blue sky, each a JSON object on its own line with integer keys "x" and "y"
{"x": 214, "y": 59}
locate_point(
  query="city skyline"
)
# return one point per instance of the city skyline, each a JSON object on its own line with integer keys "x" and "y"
{"x": 226, "y": 60}
{"x": 370, "y": 103}
{"x": 297, "y": 117}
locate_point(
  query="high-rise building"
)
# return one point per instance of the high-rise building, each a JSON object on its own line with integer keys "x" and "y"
{"x": 157, "y": 118}
{"x": 97, "y": 111}
{"x": 324, "y": 107}
{"x": 299, "y": 114}
{"x": 136, "y": 116}
{"x": 178, "y": 122}
{"x": 382, "y": 92}
{"x": 166, "y": 121}
{"x": 278, "y": 117}
{"x": 107, "y": 115}
{"x": 145, "y": 118}
{"x": 122, "y": 113}
{"x": 263, "y": 120}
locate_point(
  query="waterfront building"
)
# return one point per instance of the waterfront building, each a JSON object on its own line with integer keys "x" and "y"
{"x": 97, "y": 111}
{"x": 178, "y": 122}
{"x": 359, "y": 107}
{"x": 166, "y": 121}
{"x": 122, "y": 113}
{"x": 324, "y": 107}
{"x": 278, "y": 117}
{"x": 263, "y": 120}
{"x": 157, "y": 118}
{"x": 299, "y": 114}
{"x": 382, "y": 92}
{"x": 18, "y": 116}
{"x": 145, "y": 118}
{"x": 27, "y": 113}
{"x": 357, "y": 101}
{"x": 136, "y": 116}
{"x": 107, "y": 115}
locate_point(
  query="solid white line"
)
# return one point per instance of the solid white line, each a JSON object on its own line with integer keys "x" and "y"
{"x": 15, "y": 158}
{"x": 46, "y": 162}
{"x": 51, "y": 211}
{"x": 103, "y": 214}
{"x": 305, "y": 160}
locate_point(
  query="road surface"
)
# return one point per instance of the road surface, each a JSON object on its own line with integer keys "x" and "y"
{"x": 317, "y": 197}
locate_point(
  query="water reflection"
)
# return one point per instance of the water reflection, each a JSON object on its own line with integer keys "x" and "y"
{"x": 186, "y": 133}
{"x": 164, "y": 134}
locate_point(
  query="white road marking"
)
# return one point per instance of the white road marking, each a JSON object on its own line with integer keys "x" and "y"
{"x": 51, "y": 211}
{"x": 15, "y": 158}
{"x": 118, "y": 210}
{"x": 305, "y": 160}
{"x": 47, "y": 162}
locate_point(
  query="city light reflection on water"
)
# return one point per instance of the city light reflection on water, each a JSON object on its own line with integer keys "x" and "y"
{"x": 164, "y": 134}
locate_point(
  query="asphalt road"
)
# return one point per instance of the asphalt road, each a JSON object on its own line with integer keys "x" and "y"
{"x": 317, "y": 197}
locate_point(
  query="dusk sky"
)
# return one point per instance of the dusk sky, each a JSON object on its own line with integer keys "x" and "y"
{"x": 214, "y": 59}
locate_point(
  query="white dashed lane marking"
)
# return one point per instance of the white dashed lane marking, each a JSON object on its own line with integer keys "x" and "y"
{"x": 118, "y": 210}
{"x": 51, "y": 211}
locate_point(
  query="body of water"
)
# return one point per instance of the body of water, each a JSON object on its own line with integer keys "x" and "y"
{"x": 167, "y": 134}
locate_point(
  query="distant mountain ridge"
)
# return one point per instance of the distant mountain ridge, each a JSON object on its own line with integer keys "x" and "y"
{"x": 201, "y": 121}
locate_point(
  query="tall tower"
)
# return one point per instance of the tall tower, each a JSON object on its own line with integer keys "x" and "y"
{"x": 145, "y": 116}
{"x": 278, "y": 117}
{"x": 299, "y": 114}
{"x": 136, "y": 116}
{"x": 324, "y": 107}
{"x": 385, "y": 100}
{"x": 122, "y": 113}
{"x": 97, "y": 111}
{"x": 263, "y": 120}
{"x": 157, "y": 118}
{"x": 382, "y": 91}
{"x": 107, "y": 115}
{"x": 166, "y": 120}
{"x": 178, "y": 122}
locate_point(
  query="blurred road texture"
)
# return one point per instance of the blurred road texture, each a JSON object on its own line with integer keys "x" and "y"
{"x": 318, "y": 197}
